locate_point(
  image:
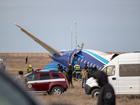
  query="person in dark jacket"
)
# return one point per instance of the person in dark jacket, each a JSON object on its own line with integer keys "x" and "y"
{"x": 107, "y": 94}
{"x": 60, "y": 68}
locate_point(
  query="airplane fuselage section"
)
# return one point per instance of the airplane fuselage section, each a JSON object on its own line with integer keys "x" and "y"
{"x": 82, "y": 57}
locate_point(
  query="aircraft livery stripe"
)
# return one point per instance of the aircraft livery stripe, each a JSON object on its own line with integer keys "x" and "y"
{"x": 97, "y": 56}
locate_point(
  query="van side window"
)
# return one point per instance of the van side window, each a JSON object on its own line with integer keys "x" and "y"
{"x": 129, "y": 70}
{"x": 109, "y": 70}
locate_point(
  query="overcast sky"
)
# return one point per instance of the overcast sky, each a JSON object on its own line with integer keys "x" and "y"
{"x": 105, "y": 25}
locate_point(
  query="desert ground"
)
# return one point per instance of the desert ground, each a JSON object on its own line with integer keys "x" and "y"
{"x": 73, "y": 96}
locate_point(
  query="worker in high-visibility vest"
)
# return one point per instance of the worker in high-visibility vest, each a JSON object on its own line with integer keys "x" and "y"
{"x": 30, "y": 68}
{"x": 77, "y": 71}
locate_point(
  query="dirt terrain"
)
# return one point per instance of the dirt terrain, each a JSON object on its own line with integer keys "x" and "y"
{"x": 17, "y": 61}
{"x": 73, "y": 96}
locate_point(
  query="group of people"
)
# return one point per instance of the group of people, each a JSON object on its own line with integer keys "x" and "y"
{"x": 75, "y": 72}
{"x": 20, "y": 76}
{"x": 68, "y": 73}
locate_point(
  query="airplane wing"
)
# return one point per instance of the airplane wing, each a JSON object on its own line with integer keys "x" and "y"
{"x": 51, "y": 50}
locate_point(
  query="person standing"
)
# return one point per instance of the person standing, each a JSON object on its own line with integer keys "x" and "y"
{"x": 60, "y": 68}
{"x": 2, "y": 66}
{"x": 26, "y": 60}
{"x": 69, "y": 75}
{"x": 107, "y": 94}
{"x": 20, "y": 78}
{"x": 30, "y": 68}
{"x": 77, "y": 71}
{"x": 84, "y": 74}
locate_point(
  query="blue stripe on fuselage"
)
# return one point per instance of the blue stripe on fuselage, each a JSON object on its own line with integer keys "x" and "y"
{"x": 91, "y": 60}
{"x": 103, "y": 60}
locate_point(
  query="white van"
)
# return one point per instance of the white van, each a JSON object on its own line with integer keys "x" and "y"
{"x": 123, "y": 73}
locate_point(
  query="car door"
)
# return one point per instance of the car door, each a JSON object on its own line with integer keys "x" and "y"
{"x": 30, "y": 80}
{"x": 41, "y": 83}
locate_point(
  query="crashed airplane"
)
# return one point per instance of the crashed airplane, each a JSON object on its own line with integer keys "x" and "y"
{"x": 92, "y": 58}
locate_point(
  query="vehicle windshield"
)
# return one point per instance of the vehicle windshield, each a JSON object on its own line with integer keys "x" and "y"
{"x": 30, "y": 77}
{"x": 109, "y": 70}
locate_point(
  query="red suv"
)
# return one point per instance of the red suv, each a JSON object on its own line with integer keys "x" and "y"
{"x": 51, "y": 82}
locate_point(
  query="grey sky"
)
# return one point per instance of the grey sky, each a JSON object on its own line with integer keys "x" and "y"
{"x": 106, "y": 25}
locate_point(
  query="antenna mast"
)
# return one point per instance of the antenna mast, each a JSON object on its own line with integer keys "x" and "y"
{"x": 71, "y": 40}
{"x": 76, "y": 34}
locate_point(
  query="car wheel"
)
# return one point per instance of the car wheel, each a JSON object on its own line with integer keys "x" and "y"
{"x": 95, "y": 92}
{"x": 57, "y": 90}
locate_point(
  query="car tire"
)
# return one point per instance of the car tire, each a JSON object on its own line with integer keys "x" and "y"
{"x": 57, "y": 90}
{"x": 95, "y": 92}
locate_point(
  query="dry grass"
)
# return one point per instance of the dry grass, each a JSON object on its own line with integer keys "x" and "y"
{"x": 76, "y": 96}
{"x": 73, "y": 96}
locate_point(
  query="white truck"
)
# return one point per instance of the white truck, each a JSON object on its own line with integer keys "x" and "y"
{"x": 123, "y": 74}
